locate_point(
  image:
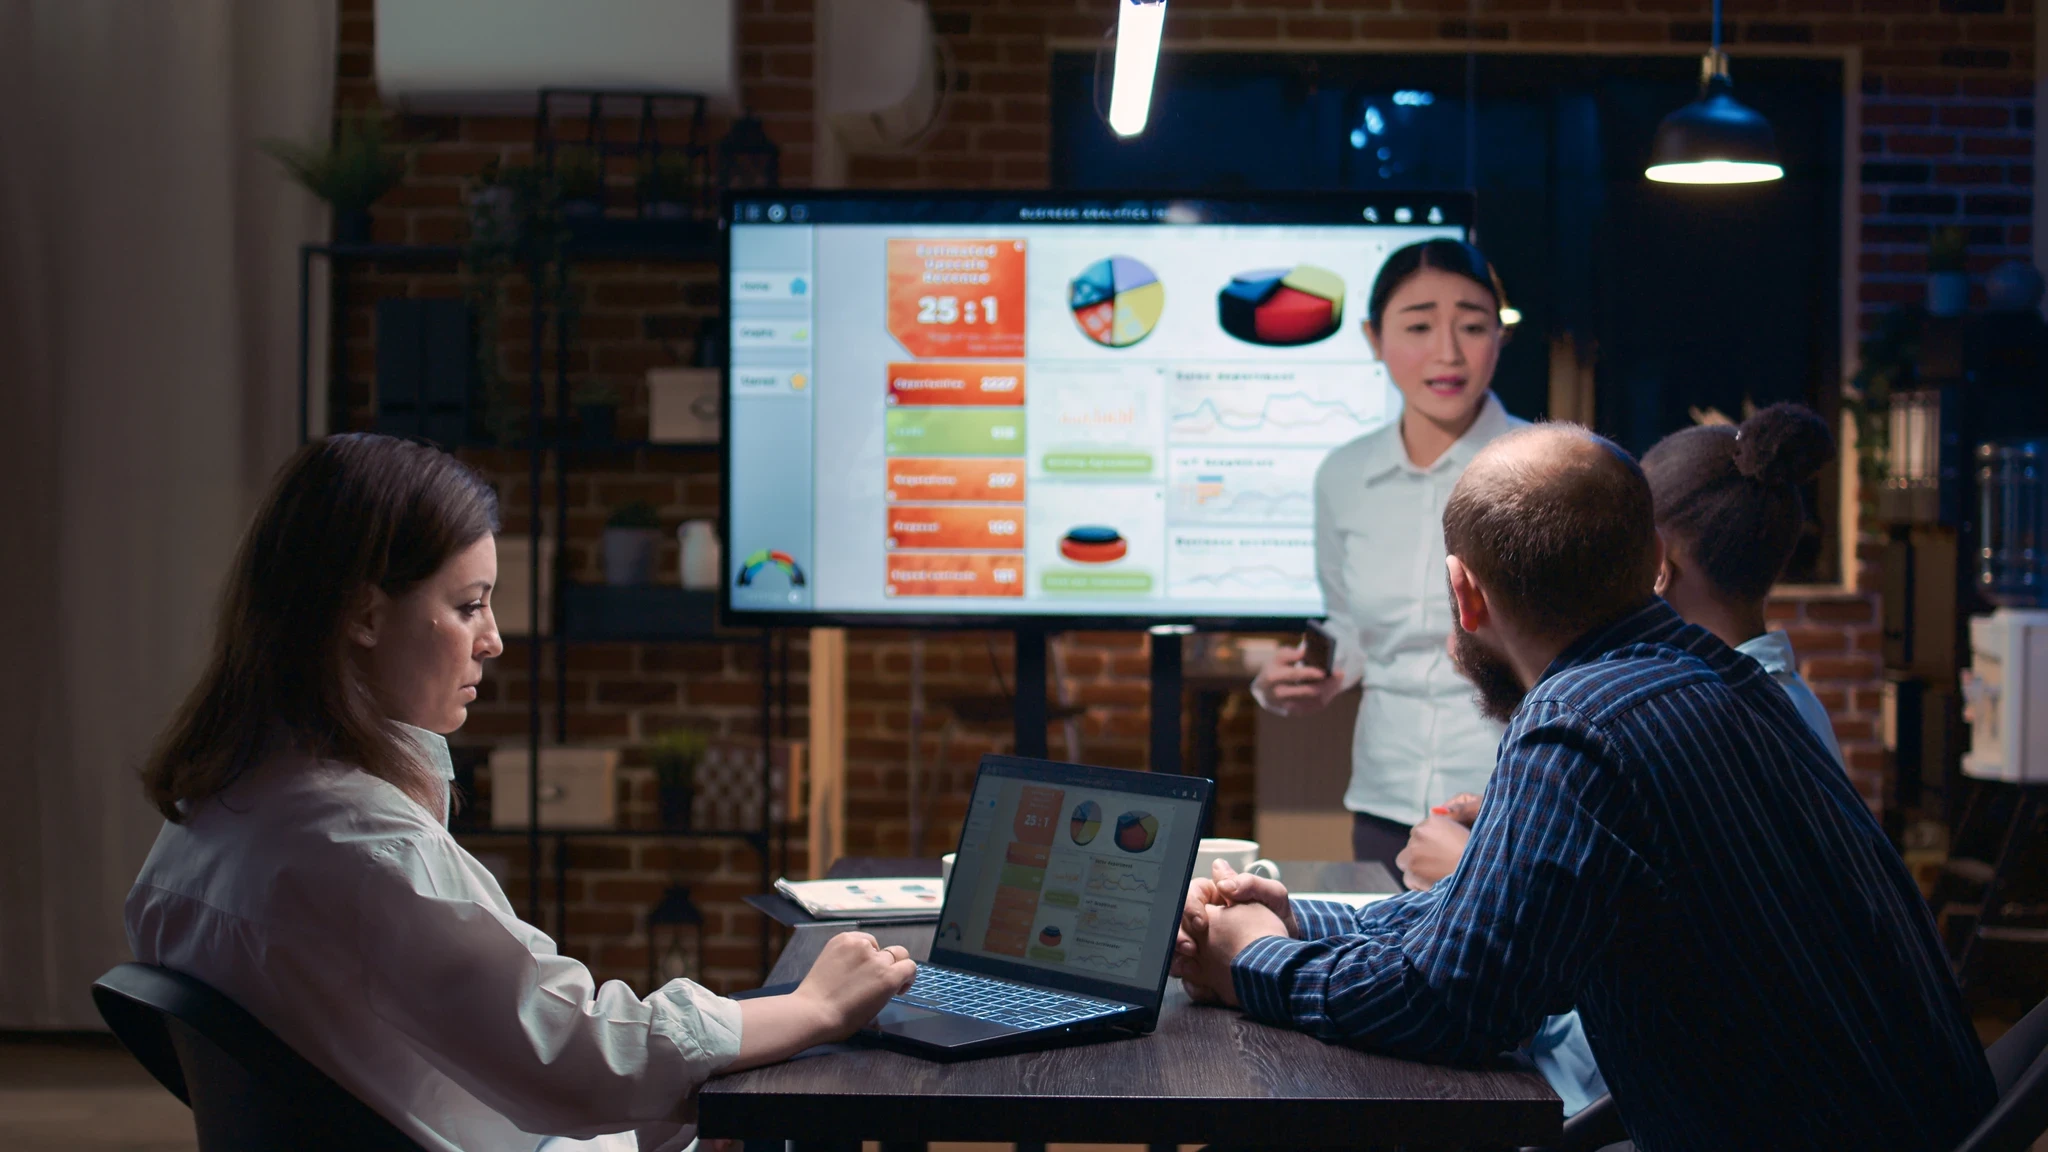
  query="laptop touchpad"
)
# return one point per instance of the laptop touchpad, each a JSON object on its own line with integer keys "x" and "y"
{"x": 900, "y": 1019}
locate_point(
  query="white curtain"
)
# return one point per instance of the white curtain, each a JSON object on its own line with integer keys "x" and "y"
{"x": 148, "y": 335}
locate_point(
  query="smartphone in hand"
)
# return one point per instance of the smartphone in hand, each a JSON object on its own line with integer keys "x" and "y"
{"x": 1319, "y": 647}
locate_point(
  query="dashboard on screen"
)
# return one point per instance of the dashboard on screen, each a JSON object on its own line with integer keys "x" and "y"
{"x": 958, "y": 408}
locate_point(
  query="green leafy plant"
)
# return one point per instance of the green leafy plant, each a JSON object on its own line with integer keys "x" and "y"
{"x": 675, "y": 755}
{"x": 353, "y": 170}
{"x": 1948, "y": 249}
{"x": 1886, "y": 366}
{"x": 638, "y": 514}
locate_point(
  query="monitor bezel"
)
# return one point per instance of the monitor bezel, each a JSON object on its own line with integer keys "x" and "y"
{"x": 1459, "y": 207}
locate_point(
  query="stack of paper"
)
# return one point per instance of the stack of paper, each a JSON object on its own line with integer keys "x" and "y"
{"x": 868, "y": 900}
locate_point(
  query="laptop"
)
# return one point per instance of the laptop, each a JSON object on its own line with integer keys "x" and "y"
{"x": 1059, "y": 919}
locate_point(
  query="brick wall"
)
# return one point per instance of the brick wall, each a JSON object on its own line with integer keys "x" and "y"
{"x": 1947, "y": 131}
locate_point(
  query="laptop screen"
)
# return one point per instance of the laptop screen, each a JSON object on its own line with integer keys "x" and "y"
{"x": 1077, "y": 874}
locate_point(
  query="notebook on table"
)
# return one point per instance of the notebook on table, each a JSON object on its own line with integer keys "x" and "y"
{"x": 1059, "y": 920}
{"x": 870, "y": 901}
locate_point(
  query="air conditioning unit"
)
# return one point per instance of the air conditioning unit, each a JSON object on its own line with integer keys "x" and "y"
{"x": 492, "y": 56}
{"x": 881, "y": 83}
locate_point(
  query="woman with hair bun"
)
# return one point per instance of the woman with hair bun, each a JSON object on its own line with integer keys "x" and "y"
{"x": 1434, "y": 320}
{"x": 1730, "y": 511}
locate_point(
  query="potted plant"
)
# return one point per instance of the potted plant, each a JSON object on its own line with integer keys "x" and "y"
{"x": 1948, "y": 281}
{"x": 351, "y": 172}
{"x": 675, "y": 754}
{"x": 632, "y": 541}
{"x": 669, "y": 187}
{"x": 597, "y": 410}
{"x": 579, "y": 182}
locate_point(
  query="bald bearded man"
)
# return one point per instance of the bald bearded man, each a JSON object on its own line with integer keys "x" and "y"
{"x": 1664, "y": 845}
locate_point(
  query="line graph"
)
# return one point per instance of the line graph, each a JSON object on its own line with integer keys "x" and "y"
{"x": 1297, "y": 408}
{"x": 1262, "y": 486}
{"x": 1103, "y": 961}
{"x": 1118, "y": 878}
{"x": 1271, "y": 565}
{"x": 1114, "y": 922}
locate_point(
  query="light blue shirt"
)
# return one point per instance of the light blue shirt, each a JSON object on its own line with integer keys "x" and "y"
{"x": 1559, "y": 1049}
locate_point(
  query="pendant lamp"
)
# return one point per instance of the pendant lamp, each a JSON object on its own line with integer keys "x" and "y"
{"x": 1716, "y": 139}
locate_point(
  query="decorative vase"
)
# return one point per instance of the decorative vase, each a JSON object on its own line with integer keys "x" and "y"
{"x": 629, "y": 555}
{"x": 599, "y": 422}
{"x": 700, "y": 566}
{"x": 1948, "y": 293}
{"x": 675, "y": 801}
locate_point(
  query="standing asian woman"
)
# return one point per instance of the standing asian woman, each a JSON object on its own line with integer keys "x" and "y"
{"x": 1434, "y": 320}
{"x": 306, "y": 871}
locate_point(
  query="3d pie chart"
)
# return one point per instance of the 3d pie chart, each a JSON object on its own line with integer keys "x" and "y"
{"x": 1093, "y": 544}
{"x": 1135, "y": 831}
{"x": 1049, "y": 936}
{"x": 1117, "y": 301}
{"x": 1085, "y": 822}
{"x": 1282, "y": 306}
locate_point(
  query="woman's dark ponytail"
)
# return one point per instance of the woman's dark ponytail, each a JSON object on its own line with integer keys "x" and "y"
{"x": 1731, "y": 496}
{"x": 1785, "y": 444}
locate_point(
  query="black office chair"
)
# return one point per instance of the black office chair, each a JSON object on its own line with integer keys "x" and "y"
{"x": 2019, "y": 1066}
{"x": 248, "y": 1091}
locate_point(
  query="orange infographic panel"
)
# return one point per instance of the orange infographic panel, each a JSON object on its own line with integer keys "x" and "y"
{"x": 953, "y": 526}
{"x": 1038, "y": 809}
{"x": 915, "y": 478}
{"x": 955, "y": 574}
{"x": 957, "y": 297}
{"x": 950, "y": 382}
{"x": 1009, "y": 919}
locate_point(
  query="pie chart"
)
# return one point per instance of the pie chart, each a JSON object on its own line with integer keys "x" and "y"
{"x": 1085, "y": 822}
{"x": 1282, "y": 306}
{"x": 1135, "y": 831}
{"x": 1116, "y": 301}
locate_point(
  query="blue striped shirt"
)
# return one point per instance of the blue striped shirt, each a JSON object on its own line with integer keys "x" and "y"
{"x": 1666, "y": 846}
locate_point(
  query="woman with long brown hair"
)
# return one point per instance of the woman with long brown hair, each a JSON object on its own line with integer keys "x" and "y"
{"x": 306, "y": 870}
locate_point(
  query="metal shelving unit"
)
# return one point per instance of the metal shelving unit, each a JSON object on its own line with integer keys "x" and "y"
{"x": 583, "y": 613}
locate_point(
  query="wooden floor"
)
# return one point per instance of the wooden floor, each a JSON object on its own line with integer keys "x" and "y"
{"x": 84, "y": 1093}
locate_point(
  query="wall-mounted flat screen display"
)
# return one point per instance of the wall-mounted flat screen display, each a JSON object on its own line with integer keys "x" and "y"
{"x": 952, "y": 408}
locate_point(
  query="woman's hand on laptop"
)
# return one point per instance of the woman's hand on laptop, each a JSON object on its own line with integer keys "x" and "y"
{"x": 852, "y": 979}
{"x": 848, "y": 984}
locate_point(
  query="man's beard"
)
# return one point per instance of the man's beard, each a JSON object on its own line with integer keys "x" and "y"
{"x": 1499, "y": 691}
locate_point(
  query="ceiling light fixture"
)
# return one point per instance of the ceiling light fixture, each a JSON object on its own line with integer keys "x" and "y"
{"x": 1139, "y": 24}
{"x": 1716, "y": 139}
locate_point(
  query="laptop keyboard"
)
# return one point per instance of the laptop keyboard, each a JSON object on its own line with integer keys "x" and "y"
{"x": 1018, "y": 1005}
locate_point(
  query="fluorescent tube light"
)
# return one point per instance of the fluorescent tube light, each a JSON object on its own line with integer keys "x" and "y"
{"x": 1138, "y": 27}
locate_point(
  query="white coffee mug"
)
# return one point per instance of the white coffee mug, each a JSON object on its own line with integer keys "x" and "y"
{"x": 946, "y": 869}
{"x": 1241, "y": 855}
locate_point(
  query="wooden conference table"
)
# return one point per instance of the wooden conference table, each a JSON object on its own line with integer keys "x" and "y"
{"x": 1206, "y": 1076}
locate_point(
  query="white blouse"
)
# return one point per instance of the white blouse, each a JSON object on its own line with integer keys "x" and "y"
{"x": 347, "y": 920}
{"x": 1380, "y": 560}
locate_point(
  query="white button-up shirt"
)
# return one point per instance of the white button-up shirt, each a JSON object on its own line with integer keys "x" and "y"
{"x": 346, "y": 919}
{"x": 1380, "y": 560}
